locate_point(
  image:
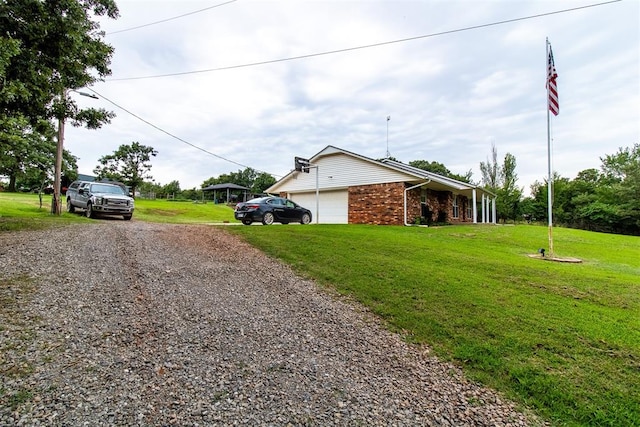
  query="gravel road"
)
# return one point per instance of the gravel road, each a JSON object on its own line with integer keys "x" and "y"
{"x": 138, "y": 324}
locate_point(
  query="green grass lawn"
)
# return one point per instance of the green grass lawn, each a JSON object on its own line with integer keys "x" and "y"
{"x": 562, "y": 339}
{"x": 183, "y": 212}
{"x": 22, "y": 210}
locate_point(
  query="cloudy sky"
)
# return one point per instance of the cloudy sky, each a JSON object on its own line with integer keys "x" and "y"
{"x": 451, "y": 92}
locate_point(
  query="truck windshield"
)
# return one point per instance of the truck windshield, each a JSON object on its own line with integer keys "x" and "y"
{"x": 101, "y": 188}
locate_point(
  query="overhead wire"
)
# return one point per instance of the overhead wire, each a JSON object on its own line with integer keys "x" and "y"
{"x": 172, "y": 135}
{"x": 315, "y": 55}
{"x": 170, "y": 19}
{"x": 368, "y": 46}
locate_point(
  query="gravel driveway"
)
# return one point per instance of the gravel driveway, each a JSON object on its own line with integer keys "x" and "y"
{"x": 131, "y": 323}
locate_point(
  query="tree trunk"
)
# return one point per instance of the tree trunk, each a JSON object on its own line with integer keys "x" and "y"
{"x": 12, "y": 183}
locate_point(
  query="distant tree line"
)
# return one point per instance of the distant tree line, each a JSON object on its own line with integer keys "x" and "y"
{"x": 606, "y": 200}
{"x": 256, "y": 182}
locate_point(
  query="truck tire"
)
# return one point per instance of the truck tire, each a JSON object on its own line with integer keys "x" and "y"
{"x": 126, "y": 217}
{"x": 70, "y": 207}
{"x": 89, "y": 211}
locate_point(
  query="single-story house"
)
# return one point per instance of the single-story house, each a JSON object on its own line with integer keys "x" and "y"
{"x": 342, "y": 187}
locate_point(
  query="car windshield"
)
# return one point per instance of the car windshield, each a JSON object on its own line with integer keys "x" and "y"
{"x": 111, "y": 189}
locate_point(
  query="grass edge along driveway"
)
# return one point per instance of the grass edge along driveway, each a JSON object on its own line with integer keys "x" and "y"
{"x": 563, "y": 339}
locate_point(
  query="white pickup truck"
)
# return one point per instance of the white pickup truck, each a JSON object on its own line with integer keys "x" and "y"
{"x": 99, "y": 198}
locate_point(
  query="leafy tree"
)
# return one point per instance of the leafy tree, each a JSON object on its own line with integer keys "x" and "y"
{"x": 172, "y": 188}
{"x": 491, "y": 170}
{"x": 129, "y": 164}
{"x": 502, "y": 180}
{"x": 151, "y": 189}
{"x": 509, "y": 195}
{"x": 538, "y": 203}
{"x": 606, "y": 200}
{"x": 27, "y": 155}
{"x": 440, "y": 169}
{"x": 623, "y": 165}
{"x": 262, "y": 182}
{"x": 48, "y": 48}
{"x": 622, "y": 172}
{"x": 192, "y": 194}
{"x": 249, "y": 177}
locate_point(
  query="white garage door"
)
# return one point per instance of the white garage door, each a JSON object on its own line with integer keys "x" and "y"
{"x": 333, "y": 206}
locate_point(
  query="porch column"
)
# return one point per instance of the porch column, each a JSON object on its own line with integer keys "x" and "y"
{"x": 487, "y": 206}
{"x": 475, "y": 207}
{"x": 482, "y": 208}
{"x": 494, "y": 210}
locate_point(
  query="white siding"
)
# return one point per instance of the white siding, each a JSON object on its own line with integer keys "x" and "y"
{"x": 339, "y": 171}
{"x": 333, "y": 206}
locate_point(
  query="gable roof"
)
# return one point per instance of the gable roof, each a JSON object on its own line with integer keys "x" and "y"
{"x": 229, "y": 185}
{"x": 401, "y": 172}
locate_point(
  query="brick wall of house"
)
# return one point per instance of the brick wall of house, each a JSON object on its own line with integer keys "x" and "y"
{"x": 439, "y": 207}
{"x": 381, "y": 204}
{"x": 414, "y": 208}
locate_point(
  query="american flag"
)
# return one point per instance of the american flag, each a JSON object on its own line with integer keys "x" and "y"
{"x": 552, "y": 88}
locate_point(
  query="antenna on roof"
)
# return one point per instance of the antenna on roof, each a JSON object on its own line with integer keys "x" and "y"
{"x": 388, "y": 154}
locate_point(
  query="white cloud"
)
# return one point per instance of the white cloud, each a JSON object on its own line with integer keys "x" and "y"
{"x": 449, "y": 96}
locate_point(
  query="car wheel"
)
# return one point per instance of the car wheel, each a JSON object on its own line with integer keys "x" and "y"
{"x": 127, "y": 217}
{"x": 267, "y": 219}
{"x": 70, "y": 207}
{"x": 89, "y": 211}
{"x": 247, "y": 221}
{"x": 306, "y": 219}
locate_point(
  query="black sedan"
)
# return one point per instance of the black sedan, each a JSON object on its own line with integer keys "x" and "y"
{"x": 271, "y": 209}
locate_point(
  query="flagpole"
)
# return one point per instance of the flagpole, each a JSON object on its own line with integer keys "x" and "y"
{"x": 550, "y": 178}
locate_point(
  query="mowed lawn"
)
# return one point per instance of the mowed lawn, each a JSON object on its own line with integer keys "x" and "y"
{"x": 562, "y": 339}
{"x": 20, "y": 210}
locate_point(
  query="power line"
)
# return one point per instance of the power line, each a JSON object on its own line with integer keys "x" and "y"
{"x": 174, "y": 136}
{"x": 349, "y": 49}
{"x": 170, "y": 19}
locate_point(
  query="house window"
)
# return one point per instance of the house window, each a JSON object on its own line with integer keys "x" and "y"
{"x": 469, "y": 210}
{"x": 456, "y": 208}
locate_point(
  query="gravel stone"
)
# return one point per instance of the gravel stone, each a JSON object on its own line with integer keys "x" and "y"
{"x": 140, "y": 324}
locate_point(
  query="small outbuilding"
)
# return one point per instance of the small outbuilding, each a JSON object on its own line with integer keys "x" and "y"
{"x": 228, "y": 188}
{"x": 341, "y": 187}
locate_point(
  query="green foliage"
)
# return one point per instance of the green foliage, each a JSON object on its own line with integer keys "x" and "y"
{"x": 129, "y": 164}
{"x": 257, "y": 182}
{"x": 440, "y": 169}
{"x": 28, "y": 153}
{"x": 502, "y": 180}
{"x": 172, "y": 188}
{"x": 606, "y": 200}
{"x": 563, "y": 339}
{"x": 52, "y": 47}
{"x": 491, "y": 170}
{"x": 509, "y": 194}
